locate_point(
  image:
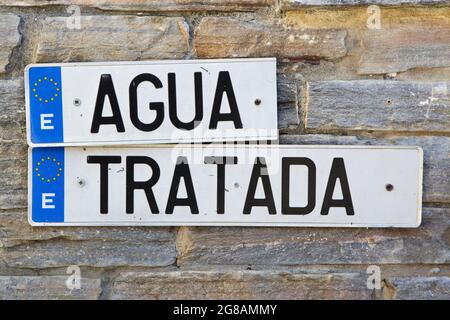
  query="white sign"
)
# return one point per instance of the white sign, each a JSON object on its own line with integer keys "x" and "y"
{"x": 147, "y": 102}
{"x": 239, "y": 185}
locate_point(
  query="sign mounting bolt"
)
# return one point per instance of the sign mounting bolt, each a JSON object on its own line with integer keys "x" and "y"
{"x": 257, "y": 102}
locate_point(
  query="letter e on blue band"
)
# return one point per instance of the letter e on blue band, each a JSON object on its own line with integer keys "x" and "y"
{"x": 46, "y": 116}
{"x": 47, "y": 184}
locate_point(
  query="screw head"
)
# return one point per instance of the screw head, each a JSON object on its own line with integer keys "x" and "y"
{"x": 257, "y": 102}
{"x": 389, "y": 187}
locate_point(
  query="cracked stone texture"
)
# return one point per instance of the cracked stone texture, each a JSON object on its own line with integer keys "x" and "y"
{"x": 10, "y": 38}
{"x": 265, "y": 284}
{"x": 421, "y": 288}
{"x": 404, "y": 48}
{"x": 46, "y": 288}
{"x": 23, "y": 246}
{"x": 273, "y": 285}
{"x": 103, "y": 38}
{"x": 220, "y": 37}
{"x": 379, "y": 105}
{"x": 428, "y": 244}
{"x": 12, "y": 110}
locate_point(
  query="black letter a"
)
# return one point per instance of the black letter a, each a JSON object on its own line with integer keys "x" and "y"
{"x": 224, "y": 86}
{"x": 337, "y": 172}
{"x": 182, "y": 171}
{"x": 259, "y": 172}
{"x": 106, "y": 87}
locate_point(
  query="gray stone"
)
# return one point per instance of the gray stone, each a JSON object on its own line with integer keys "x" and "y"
{"x": 15, "y": 230}
{"x": 46, "y": 288}
{"x": 24, "y": 246}
{"x": 379, "y": 105}
{"x": 103, "y": 38}
{"x": 218, "y": 37}
{"x": 403, "y": 48}
{"x": 317, "y": 246}
{"x": 9, "y": 29}
{"x": 421, "y": 288}
{"x": 436, "y": 180}
{"x": 287, "y": 89}
{"x": 95, "y": 253}
{"x": 13, "y": 180}
{"x": 288, "y": 117}
{"x": 288, "y": 95}
{"x": 266, "y": 284}
{"x": 12, "y": 110}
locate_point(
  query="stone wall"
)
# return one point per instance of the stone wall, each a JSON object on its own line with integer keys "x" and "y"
{"x": 343, "y": 78}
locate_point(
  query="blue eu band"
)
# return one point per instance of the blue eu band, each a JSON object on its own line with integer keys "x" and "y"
{"x": 48, "y": 184}
{"x": 46, "y": 117}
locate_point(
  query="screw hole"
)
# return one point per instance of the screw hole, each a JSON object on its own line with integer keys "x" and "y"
{"x": 389, "y": 187}
{"x": 77, "y": 102}
{"x": 389, "y": 101}
{"x": 257, "y": 102}
{"x": 80, "y": 182}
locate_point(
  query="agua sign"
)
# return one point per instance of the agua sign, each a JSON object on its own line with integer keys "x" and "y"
{"x": 351, "y": 186}
{"x": 151, "y": 102}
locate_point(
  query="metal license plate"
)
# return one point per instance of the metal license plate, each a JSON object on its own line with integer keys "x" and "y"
{"x": 147, "y": 102}
{"x": 223, "y": 185}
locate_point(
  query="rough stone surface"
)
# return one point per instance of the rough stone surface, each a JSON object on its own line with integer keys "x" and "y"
{"x": 197, "y": 285}
{"x": 288, "y": 102}
{"x": 15, "y": 231}
{"x": 421, "y": 288}
{"x": 46, "y": 288}
{"x": 379, "y": 105}
{"x": 38, "y": 248}
{"x": 404, "y": 48}
{"x": 299, "y": 246}
{"x": 218, "y": 37}
{"x": 436, "y": 157}
{"x": 151, "y": 5}
{"x": 12, "y": 110}
{"x": 287, "y": 89}
{"x": 13, "y": 180}
{"x": 288, "y": 117}
{"x": 9, "y": 29}
{"x": 95, "y": 253}
{"x": 112, "y": 38}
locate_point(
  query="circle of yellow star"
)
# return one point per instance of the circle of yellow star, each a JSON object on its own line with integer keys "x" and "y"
{"x": 41, "y": 82}
{"x": 53, "y": 177}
